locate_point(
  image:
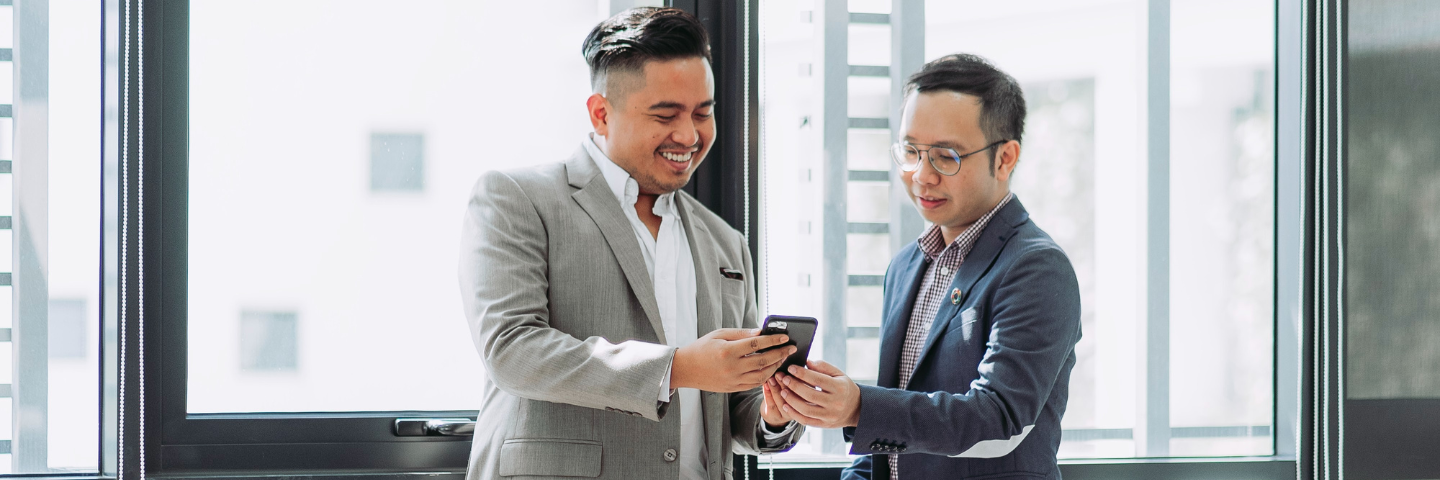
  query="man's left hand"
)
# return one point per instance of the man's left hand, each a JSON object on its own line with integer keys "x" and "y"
{"x": 820, "y": 396}
{"x": 772, "y": 414}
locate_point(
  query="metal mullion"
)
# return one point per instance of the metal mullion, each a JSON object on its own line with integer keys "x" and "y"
{"x": 907, "y": 55}
{"x": 30, "y": 288}
{"x": 834, "y": 47}
{"x": 1152, "y": 429}
{"x": 1289, "y": 225}
{"x": 109, "y": 444}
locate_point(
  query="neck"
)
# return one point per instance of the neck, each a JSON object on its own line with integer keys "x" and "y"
{"x": 951, "y": 232}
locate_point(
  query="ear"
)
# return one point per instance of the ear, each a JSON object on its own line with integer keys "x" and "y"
{"x": 599, "y": 109}
{"x": 1007, "y": 156}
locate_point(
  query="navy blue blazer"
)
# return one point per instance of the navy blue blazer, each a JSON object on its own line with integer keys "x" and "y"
{"x": 987, "y": 395}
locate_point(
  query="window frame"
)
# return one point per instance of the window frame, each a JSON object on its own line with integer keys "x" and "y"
{"x": 177, "y": 444}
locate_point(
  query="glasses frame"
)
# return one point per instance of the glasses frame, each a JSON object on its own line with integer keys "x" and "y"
{"x": 899, "y": 160}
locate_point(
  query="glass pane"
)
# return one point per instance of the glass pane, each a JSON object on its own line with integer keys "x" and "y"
{"x": 50, "y": 202}
{"x": 1222, "y": 223}
{"x": 332, "y": 152}
{"x": 1083, "y": 178}
{"x": 1392, "y": 217}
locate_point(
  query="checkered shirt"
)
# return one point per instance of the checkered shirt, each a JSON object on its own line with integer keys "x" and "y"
{"x": 944, "y": 262}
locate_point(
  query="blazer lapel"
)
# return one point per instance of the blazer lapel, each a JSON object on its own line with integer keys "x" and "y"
{"x": 892, "y": 336}
{"x": 707, "y": 268}
{"x": 596, "y": 198}
{"x": 707, "y": 313}
{"x": 977, "y": 263}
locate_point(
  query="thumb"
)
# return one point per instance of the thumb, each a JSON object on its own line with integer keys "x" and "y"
{"x": 821, "y": 366}
{"x": 732, "y": 334}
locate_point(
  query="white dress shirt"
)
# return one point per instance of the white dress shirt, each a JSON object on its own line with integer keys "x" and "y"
{"x": 672, "y": 272}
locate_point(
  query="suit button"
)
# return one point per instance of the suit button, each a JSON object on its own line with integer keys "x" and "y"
{"x": 669, "y": 454}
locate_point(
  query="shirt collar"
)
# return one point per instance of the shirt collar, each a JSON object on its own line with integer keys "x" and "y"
{"x": 626, "y": 190}
{"x": 932, "y": 241}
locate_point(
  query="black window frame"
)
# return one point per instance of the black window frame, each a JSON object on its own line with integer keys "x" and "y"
{"x": 176, "y": 442}
{"x": 155, "y": 431}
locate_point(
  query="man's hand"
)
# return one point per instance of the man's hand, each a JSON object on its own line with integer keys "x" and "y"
{"x": 772, "y": 413}
{"x": 820, "y": 396}
{"x": 718, "y": 361}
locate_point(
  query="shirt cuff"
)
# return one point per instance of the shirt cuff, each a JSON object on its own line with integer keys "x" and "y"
{"x": 665, "y": 391}
{"x": 771, "y": 436}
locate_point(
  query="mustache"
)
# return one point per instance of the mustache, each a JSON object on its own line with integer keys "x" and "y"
{"x": 676, "y": 146}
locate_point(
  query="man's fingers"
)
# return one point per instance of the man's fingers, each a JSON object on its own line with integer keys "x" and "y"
{"x": 782, "y": 376}
{"x": 825, "y": 368}
{"x": 771, "y": 358}
{"x": 732, "y": 334}
{"x": 761, "y": 342}
{"x": 799, "y": 417}
{"x": 802, "y": 407}
{"x": 812, "y": 377}
{"x": 805, "y": 392}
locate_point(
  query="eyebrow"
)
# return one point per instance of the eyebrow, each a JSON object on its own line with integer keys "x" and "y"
{"x": 665, "y": 105}
{"x": 946, "y": 143}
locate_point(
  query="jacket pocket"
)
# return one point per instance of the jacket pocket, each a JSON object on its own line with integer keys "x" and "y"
{"x": 550, "y": 458}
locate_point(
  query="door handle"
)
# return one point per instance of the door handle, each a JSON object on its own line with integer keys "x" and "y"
{"x": 434, "y": 427}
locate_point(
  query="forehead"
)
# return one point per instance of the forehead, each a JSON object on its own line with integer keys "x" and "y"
{"x": 685, "y": 80}
{"x": 941, "y": 115}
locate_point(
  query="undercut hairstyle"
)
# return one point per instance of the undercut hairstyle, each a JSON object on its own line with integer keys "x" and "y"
{"x": 625, "y": 42}
{"x": 1002, "y": 104}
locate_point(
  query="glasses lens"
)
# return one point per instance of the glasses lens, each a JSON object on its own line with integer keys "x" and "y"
{"x": 946, "y": 160}
{"x": 906, "y": 156}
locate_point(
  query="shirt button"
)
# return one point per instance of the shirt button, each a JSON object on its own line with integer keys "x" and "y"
{"x": 669, "y": 454}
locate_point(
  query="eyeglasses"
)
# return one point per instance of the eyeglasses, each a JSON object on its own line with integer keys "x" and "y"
{"x": 945, "y": 159}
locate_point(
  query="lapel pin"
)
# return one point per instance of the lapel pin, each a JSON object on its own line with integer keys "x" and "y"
{"x": 955, "y": 297}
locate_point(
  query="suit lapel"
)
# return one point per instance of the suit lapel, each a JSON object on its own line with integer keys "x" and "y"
{"x": 596, "y": 198}
{"x": 987, "y": 248}
{"x": 892, "y": 338}
{"x": 707, "y": 313}
{"x": 707, "y": 268}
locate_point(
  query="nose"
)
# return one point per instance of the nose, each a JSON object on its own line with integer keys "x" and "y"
{"x": 685, "y": 133}
{"x": 925, "y": 173}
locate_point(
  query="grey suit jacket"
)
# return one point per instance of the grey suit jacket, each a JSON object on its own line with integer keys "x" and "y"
{"x": 563, "y": 313}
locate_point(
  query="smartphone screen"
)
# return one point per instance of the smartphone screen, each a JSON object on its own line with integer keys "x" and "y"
{"x": 801, "y": 331}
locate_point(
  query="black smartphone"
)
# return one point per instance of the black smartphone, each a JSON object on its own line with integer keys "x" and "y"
{"x": 801, "y": 331}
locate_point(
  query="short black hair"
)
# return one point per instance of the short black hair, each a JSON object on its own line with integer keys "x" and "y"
{"x": 1002, "y": 104}
{"x": 627, "y": 40}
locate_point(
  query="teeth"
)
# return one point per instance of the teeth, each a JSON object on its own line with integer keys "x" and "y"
{"x": 677, "y": 157}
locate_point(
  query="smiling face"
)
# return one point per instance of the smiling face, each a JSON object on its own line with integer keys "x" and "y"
{"x": 659, "y": 123}
{"x": 954, "y": 202}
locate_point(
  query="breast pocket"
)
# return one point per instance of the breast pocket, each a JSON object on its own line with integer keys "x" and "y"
{"x": 732, "y": 302}
{"x": 968, "y": 325}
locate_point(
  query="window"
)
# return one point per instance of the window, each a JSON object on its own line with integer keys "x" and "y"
{"x": 1165, "y": 207}
{"x": 397, "y": 162}
{"x": 50, "y": 217}
{"x": 268, "y": 341}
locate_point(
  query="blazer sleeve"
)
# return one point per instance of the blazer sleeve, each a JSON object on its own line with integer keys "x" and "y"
{"x": 746, "y": 406}
{"x": 860, "y": 470}
{"x": 1035, "y": 325}
{"x": 504, "y": 288}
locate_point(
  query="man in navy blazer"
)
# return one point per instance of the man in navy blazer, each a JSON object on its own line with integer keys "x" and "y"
{"x": 981, "y": 313}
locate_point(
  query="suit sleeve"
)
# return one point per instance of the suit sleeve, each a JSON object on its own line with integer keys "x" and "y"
{"x": 504, "y": 288}
{"x": 860, "y": 470}
{"x": 1035, "y": 326}
{"x": 745, "y": 407}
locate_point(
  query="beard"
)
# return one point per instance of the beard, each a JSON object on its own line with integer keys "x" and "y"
{"x": 649, "y": 183}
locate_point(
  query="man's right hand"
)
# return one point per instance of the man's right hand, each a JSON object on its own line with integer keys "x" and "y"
{"x": 717, "y": 362}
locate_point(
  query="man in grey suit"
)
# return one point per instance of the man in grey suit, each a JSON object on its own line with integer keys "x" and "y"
{"x": 615, "y": 314}
{"x": 981, "y": 313}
